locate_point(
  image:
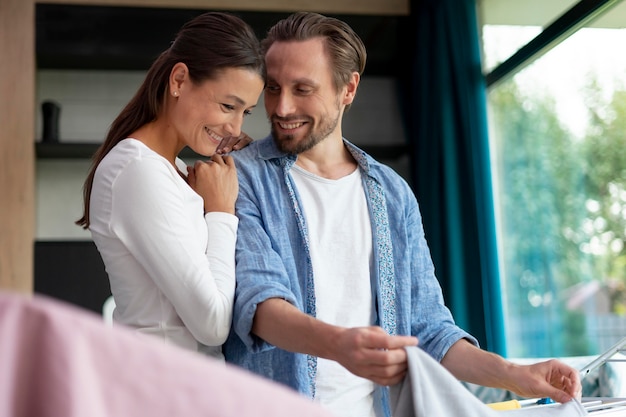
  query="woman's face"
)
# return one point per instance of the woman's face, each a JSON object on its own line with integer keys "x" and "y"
{"x": 203, "y": 114}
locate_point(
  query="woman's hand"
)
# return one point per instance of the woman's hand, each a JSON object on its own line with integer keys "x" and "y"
{"x": 216, "y": 182}
{"x": 232, "y": 143}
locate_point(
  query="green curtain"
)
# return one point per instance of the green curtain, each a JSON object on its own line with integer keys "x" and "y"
{"x": 446, "y": 122}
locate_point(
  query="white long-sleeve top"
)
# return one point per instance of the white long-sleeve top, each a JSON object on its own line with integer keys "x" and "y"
{"x": 171, "y": 268}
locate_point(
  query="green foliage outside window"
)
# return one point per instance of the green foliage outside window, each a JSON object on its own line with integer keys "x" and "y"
{"x": 562, "y": 220}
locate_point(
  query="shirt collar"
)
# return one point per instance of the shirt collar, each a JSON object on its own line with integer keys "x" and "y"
{"x": 268, "y": 150}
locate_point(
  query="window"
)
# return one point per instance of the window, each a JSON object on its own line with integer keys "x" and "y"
{"x": 532, "y": 15}
{"x": 558, "y": 148}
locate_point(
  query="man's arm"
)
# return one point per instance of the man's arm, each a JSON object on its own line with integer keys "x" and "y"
{"x": 368, "y": 352}
{"x": 550, "y": 378}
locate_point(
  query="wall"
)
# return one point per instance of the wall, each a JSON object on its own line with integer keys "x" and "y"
{"x": 17, "y": 54}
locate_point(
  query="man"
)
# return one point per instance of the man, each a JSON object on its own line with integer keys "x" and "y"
{"x": 334, "y": 276}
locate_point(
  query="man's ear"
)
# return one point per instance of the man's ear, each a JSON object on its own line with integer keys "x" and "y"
{"x": 351, "y": 88}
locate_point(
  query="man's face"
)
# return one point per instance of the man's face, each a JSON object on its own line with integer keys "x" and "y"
{"x": 301, "y": 101}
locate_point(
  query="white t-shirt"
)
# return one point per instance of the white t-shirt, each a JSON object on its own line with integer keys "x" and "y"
{"x": 340, "y": 238}
{"x": 171, "y": 268}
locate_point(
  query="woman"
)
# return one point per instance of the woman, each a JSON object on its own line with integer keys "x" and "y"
{"x": 166, "y": 232}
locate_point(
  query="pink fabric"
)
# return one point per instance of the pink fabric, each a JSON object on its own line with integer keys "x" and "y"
{"x": 59, "y": 360}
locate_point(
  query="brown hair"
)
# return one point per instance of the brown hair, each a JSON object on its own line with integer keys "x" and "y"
{"x": 345, "y": 48}
{"x": 206, "y": 44}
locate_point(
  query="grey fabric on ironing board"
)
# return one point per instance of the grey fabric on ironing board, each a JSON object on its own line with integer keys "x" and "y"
{"x": 429, "y": 390}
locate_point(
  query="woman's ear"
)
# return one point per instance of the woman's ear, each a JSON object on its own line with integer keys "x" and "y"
{"x": 178, "y": 76}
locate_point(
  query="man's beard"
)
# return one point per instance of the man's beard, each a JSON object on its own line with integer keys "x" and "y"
{"x": 289, "y": 144}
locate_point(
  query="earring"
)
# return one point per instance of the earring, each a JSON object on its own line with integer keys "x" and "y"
{"x": 175, "y": 93}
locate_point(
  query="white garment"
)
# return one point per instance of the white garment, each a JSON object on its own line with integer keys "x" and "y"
{"x": 340, "y": 242}
{"x": 429, "y": 390}
{"x": 171, "y": 268}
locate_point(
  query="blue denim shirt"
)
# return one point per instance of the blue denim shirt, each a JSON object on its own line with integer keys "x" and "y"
{"x": 273, "y": 261}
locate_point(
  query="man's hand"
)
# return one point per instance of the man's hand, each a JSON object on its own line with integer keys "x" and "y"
{"x": 551, "y": 378}
{"x": 371, "y": 353}
{"x": 368, "y": 352}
